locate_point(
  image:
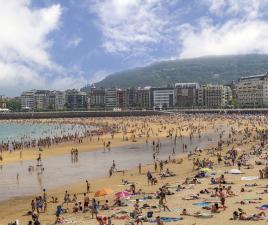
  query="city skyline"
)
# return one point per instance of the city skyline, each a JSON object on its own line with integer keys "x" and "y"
{"x": 53, "y": 44}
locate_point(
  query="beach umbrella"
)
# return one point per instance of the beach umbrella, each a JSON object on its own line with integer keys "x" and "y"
{"x": 122, "y": 194}
{"x": 103, "y": 192}
{"x": 234, "y": 171}
{"x": 205, "y": 170}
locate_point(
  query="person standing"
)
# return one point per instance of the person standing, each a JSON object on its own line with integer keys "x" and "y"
{"x": 94, "y": 208}
{"x": 87, "y": 186}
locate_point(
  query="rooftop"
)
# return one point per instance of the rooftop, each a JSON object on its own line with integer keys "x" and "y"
{"x": 255, "y": 77}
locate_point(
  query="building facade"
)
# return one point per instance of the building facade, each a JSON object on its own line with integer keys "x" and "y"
{"x": 75, "y": 100}
{"x": 56, "y": 100}
{"x": 3, "y": 104}
{"x": 110, "y": 98}
{"x": 27, "y": 100}
{"x": 214, "y": 96}
{"x": 252, "y": 91}
{"x": 143, "y": 98}
{"x": 121, "y": 98}
{"x": 97, "y": 98}
{"x": 162, "y": 97}
{"x": 41, "y": 100}
{"x": 186, "y": 95}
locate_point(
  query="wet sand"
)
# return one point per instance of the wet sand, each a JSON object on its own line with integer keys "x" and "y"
{"x": 61, "y": 170}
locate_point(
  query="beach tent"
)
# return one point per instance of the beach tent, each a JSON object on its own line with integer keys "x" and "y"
{"x": 103, "y": 192}
{"x": 122, "y": 194}
{"x": 234, "y": 171}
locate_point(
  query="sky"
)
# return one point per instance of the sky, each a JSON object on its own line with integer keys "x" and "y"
{"x": 62, "y": 44}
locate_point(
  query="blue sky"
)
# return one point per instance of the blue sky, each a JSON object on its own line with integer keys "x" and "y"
{"x": 60, "y": 44}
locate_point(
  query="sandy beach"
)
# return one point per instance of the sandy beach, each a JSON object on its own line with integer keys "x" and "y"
{"x": 243, "y": 136}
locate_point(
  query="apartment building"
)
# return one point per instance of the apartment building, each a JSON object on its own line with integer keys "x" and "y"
{"x": 97, "y": 97}
{"x": 3, "y": 104}
{"x": 121, "y": 98}
{"x": 75, "y": 100}
{"x": 56, "y": 100}
{"x": 27, "y": 100}
{"x": 252, "y": 91}
{"x": 186, "y": 94}
{"x": 110, "y": 98}
{"x": 143, "y": 98}
{"x": 162, "y": 97}
{"x": 41, "y": 100}
{"x": 213, "y": 96}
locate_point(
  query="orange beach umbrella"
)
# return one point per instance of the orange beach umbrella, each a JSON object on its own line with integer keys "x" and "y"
{"x": 103, "y": 192}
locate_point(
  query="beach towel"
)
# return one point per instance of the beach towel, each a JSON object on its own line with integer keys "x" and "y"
{"x": 263, "y": 207}
{"x": 234, "y": 171}
{"x": 249, "y": 178}
{"x": 205, "y": 215}
{"x": 167, "y": 219}
{"x": 202, "y": 204}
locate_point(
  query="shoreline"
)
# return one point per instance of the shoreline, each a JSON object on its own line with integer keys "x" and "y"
{"x": 137, "y": 146}
{"x": 87, "y": 145}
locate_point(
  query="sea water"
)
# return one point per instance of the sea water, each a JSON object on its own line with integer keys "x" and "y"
{"x": 29, "y": 131}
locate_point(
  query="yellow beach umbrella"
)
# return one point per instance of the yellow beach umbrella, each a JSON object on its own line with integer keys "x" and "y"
{"x": 103, "y": 192}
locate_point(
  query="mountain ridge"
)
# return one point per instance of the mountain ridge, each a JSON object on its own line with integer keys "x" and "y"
{"x": 208, "y": 69}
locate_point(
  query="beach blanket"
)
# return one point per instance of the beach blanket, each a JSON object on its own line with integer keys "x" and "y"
{"x": 205, "y": 215}
{"x": 234, "y": 171}
{"x": 213, "y": 201}
{"x": 167, "y": 219}
{"x": 249, "y": 178}
{"x": 263, "y": 207}
{"x": 202, "y": 204}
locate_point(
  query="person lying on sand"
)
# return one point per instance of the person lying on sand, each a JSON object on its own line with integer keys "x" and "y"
{"x": 244, "y": 202}
{"x": 214, "y": 208}
{"x": 264, "y": 192}
{"x": 158, "y": 221}
{"x": 196, "y": 214}
{"x": 205, "y": 191}
{"x": 251, "y": 185}
{"x": 254, "y": 217}
{"x": 244, "y": 190}
{"x": 191, "y": 197}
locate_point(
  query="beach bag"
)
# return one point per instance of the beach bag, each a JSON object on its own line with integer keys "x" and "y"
{"x": 150, "y": 214}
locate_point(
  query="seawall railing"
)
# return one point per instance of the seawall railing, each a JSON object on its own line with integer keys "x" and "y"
{"x": 74, "y": 114}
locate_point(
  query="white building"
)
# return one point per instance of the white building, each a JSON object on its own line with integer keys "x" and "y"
{"x": 252, "y": 91}
{"x": 42, "y": 100}
{"x": 27, "y": 100}
{"x": 163, "y": 97}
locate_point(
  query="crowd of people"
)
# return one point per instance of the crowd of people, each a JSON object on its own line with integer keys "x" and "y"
{"x": 233, "y": 163}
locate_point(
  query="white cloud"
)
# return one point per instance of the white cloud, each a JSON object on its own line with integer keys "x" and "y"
{"x": 245, "y": 8}
{"x": 98, "y": 76}
{"x": 74, "y": 42}
{"x": 25, "y": 60}
{"x": 24, "y": 30}
{"x": 243, "y": 31}
{"x": 132, "y": 25}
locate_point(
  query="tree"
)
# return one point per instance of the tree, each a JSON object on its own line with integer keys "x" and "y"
{"x": 13, "y": 105}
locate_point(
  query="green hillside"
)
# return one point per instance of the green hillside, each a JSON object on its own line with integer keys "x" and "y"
{"x": 213, "y": 69}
